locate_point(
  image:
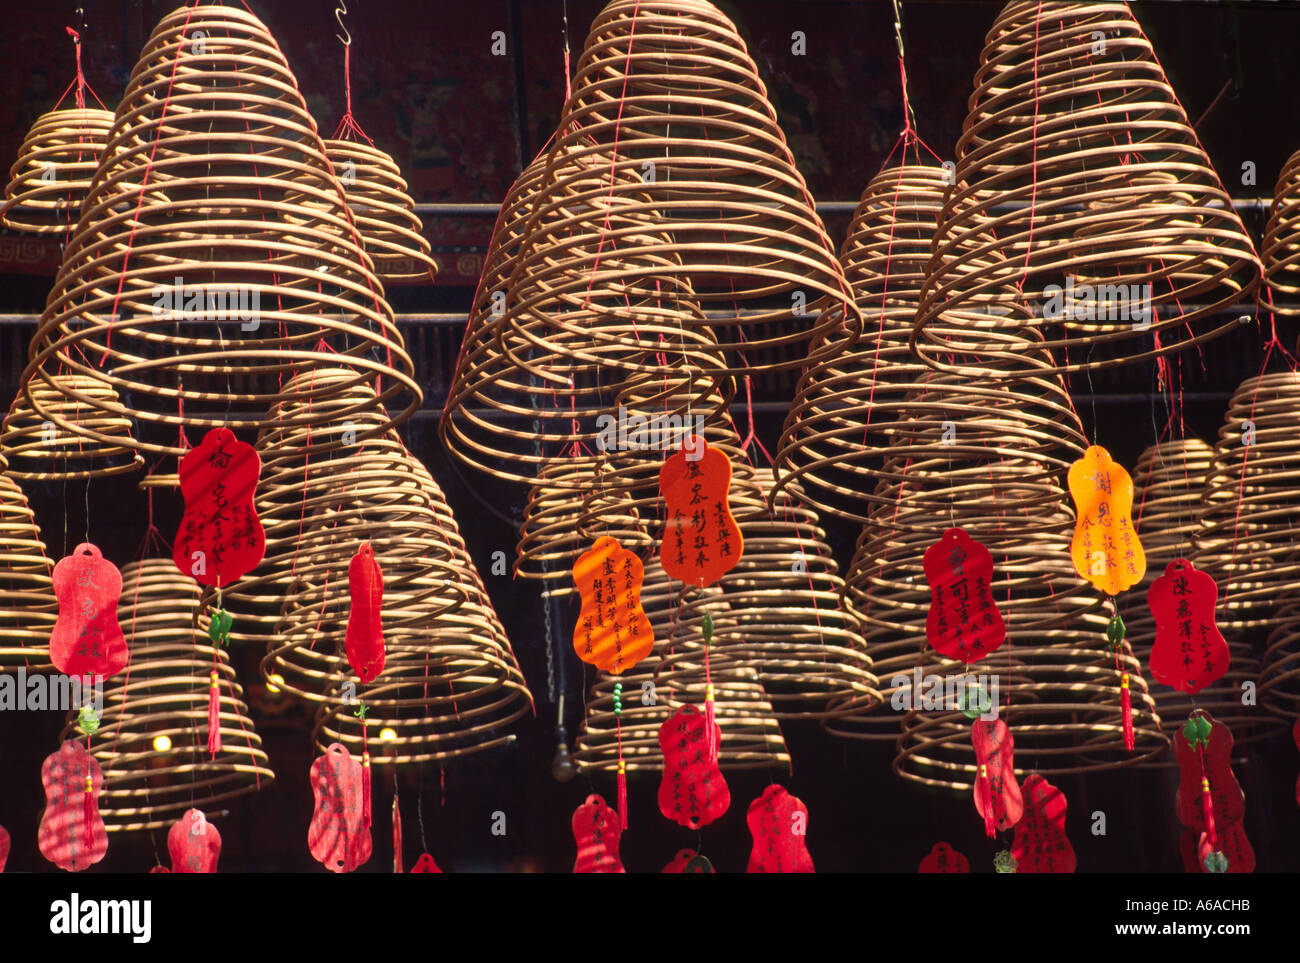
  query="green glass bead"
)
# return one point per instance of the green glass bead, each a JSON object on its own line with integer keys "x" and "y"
{"x": 1216, "y": 862}
{"x": 974, "y": 701}
{"x": 1115, "y": 632}
{"x": 219, "y": 627}
{"x": 1004, "y": 862}
{"x": 1189, "y": 732}
{"x": 1203, "y": 729}
{"x": 88, "y": 720}
{"x": 707, "y": 628}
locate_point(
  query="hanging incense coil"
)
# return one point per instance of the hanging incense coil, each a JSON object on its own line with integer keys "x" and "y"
{"x": 1279, "y": 680}
{"x": 1078, "y": 156}
{"x": 215, "y": 256}
{"x": 1280, "y": 251}
{"x": 1247, "y": 527}
{"x": 751, "y": 734}
{"x": 383, "y": 212}
{"x": 149, "y": 783}
{"x": 52, "y": 174}
{"x": 27, "y": 605}
{"x": 38, "y": 450}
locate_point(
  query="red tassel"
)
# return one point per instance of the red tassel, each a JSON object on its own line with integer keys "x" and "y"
{"x": 214, "y": 717}
{"x": 88, "y": 812}
{"x": 710, "y": 727}
{"x": 1126, "y": 708}
{"x": 365, "y": 789}
{"x": 984, "y": 800}
{"x": 622, "y": 794}
{"x": 397, "y": 836}
{"x": 1207, "y": 807}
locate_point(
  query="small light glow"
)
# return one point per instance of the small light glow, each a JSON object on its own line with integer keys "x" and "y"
{"x": 387, "y": 735}
{"x": 162, "y": 743}
{"x": 273, "y": 683}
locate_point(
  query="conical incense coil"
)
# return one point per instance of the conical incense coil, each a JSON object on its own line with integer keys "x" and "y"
{"x": 666, "y": 91}
{"x": 383, "y": 212}
{"x": 1280, "y": 251}
{"x": 39, "y": 450}
{"x": 785, "y": 619}
{"x": 1247, "y": 527}
{"x": 215, "y": 256}
{"x": 750, "y": 733}
{"x": 52, "y": 174}
{"x": 1279, "y": 681}
{"x": 1078, "y": 156}
{"x": 27, "y": 605}
{"x": 153, "y": 736}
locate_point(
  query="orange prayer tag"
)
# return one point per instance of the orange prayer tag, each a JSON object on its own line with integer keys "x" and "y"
{"x": 702, "y": 542}
{"x": 1106, "y": 550}
{"x": 613, "y": 632}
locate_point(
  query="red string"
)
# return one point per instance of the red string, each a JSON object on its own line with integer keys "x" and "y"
{"x": 348, "y": 124}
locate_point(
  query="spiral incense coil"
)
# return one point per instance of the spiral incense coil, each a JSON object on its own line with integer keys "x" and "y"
{"x": 27, "y": 605}
{"x": 149, "y": 783}
{"x": 383, "y": 211}
{"x": 1247, "y": 523}
{"x": 215, "y": 256}
{"x": 1077, "y": 155}
{"x": 55, "y": 166}
{"x": 38, "y": 450}
{"x": 751, "y": 735}
{"x": 1279, "y": 681}
{"x": 1280, "y": 251}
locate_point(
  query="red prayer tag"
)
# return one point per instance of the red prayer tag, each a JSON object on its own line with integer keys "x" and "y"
{"x": 1105, "y": 548}
{"x": 365, "y": 634}
{"x": 1229, "y": 801}
{"x": 963, "y": 622}
{"x": 72, "y": 833}
{"x": 4, "y": 848}
{"x": 692, "y": 792}
{"x": 1040, "y": 844}
{"x": 613, "y": 632}
{"x": 425, "y": 864}
{"x": 1189, "y": 651}
{"x": 678, "y": 863}
{"x": 701, "y": 541}
{"x": 194, "y": 844}
{"x": 779, "y": 824}
{"x": 997, "y": 793}
{"x": 338, "y": 836}
{"x": 220, "y": 536}
{"x": 944, "y": 859}
{"x": 597, "y": 831}
{"x": 87, "y": 639}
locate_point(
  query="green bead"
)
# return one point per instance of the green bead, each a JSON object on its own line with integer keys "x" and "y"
{"x": 88, "y": 720}
{"x": 1004, "y": 862}
{"x": 707, "y": 628}
{"x": 974, "y": 701}
{"x": 219, "y": 627}
{"x": 1115, "y": 632}
{"x": 1189, "y": 732}
{"x": 1216, "y": 862}
{"x": 1203, "y": 729}
{"x": 618, "y": 687}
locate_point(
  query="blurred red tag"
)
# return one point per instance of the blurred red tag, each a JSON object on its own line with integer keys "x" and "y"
{"x": 779, "y": 824}
{"x": 1105, "y": 548}
{"x": 597, "y": 831}
{"x": 692, "y": 792}
{"x": 1228, "y": 799}
{"x": 613, "y": 632}
{"x": 160, "y": 869}
{"x": 963, "y": 622}
{"x": 72, "y": 834}
{"x": 220, "y": 536}
{"x": 702, "y": 542}
{"x": 365, "y": 634}
{"x": 194, "y": 844}
{"x": 87, "y": 639}
{"x": 994, "y": 751}
{"x": 1194, "y": 846}
{"x": 4, "y": 848}
{"x": 1040, "y": 844}
{"x": 337, "y": 837}
{"x": 678, "y": 864}
{"x": 1189, "y": 651}
{"x": 425, "y": 864}
{"x": 944, "y": 859}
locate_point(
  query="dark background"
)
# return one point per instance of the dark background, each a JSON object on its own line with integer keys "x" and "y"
{"x": 461, "y": 123}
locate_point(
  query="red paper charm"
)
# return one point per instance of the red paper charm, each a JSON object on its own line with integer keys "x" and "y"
{"x": 963, "y": 622}
{"x": 702, "y": 542}
{"x": 1189, "y": 651}
{"x": 1105, "y": 549}
{"x": 220, "y": 536}
{"x": 194, "y": 844}
{"x": 692, "y": 792}
{"x": 72, "y": 834}
{"x": 338, "y": 836}
{"x": 425, "y": 864}
{"x": 613, "y": 632}
{"x": 365, "y": 635}
{"x": 87, "y": 639}
{"x": 4, "y": 848}
{"x": 997, "y": 794}
{"x": 1040, "y": 844}
{"x": 597, "y": 831}
{"x": 1209, "y": 801}
{"x": 679, "y": 861}
{"x": 944, "y": 859}
{"x": 779, "y": 824}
